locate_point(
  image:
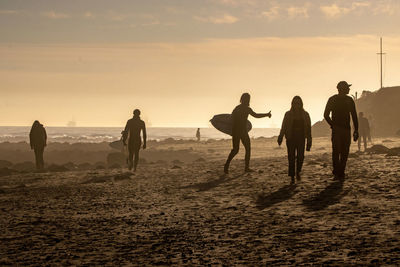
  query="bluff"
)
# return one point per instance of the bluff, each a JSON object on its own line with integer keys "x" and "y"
{"x": 381, "y": 107}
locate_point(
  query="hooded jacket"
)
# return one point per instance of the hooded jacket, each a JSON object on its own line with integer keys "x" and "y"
{"x": 37, "y": 136}
{"x": 287, "y": 126}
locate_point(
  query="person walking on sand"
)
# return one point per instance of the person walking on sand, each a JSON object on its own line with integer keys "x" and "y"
{"x": 341, "y": 106}
{"x": 296, "y": 127}
{"x": 239, "y": 130}
{"x": 132, "y": 129}
{"x": 364, "y": 130}
{"x": 38, "y": 140}
{"x": 198, "y": 134}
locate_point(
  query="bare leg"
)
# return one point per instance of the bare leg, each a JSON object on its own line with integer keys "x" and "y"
{"x": 234, "y": 151}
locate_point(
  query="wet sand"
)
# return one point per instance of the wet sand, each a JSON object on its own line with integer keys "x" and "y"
{"x": 191, "y": 214}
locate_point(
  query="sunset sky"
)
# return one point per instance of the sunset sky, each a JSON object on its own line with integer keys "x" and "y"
{"x": 181, "y": 62}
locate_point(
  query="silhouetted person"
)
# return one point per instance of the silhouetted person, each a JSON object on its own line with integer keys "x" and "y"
{"x": 132, "y": 130}
{"x": 296, "y": 127}
{"x": 364, "y": 130}
{"x": 38, "y": 140}
{"x": 239, "y": 130}
{"x": 341, "y": 106}
{"x": 198, "y": 134}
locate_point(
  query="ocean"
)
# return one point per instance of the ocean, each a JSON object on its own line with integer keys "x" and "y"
{"x": 108, "y": 134}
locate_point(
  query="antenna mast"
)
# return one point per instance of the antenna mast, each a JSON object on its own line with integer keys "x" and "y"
{"x": 381, "y": 54}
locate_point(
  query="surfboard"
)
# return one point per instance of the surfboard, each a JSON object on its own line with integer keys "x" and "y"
{"x": 119, "y": 145}
{"x": 223, "y": 123}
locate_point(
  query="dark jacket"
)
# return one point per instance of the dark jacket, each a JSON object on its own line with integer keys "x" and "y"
{"x": 287, "y": 124}
{"x": 37, "y": 136}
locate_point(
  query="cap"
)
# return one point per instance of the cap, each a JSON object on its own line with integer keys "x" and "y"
{"x": 343, "y": 85}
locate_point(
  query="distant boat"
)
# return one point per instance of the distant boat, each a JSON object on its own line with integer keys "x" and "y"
{"x": 71, "y": 124}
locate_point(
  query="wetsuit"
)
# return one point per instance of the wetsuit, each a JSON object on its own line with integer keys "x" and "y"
{"x": 239, "y": 133}
{"x": 132, "y": 129}
{"x": 38, "y": 139}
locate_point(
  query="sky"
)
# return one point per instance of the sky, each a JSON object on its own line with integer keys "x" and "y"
{"x": 181, "y": 62}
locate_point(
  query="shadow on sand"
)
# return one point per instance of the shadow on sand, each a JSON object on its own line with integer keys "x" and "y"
{"x": 282, "y": 194}
{"x": 327, "y": 197}
{"x": 205, "y": 186}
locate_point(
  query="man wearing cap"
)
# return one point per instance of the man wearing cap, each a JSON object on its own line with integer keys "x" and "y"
{"x": 341, "y": 106}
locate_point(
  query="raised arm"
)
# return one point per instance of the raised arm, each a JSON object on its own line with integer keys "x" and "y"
{"x": 144, "y": 135}
{"x": 354, "y": 115}
{"x": 328, "y": 109}
{"x": 259, "y": 115}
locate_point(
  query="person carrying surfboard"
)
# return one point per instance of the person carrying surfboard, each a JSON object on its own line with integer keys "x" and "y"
{"x": 239, "y": 130}
{"x": 132, "y": 129}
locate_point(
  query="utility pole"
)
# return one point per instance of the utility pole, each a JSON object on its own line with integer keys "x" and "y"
{"x": 381, "y": 54}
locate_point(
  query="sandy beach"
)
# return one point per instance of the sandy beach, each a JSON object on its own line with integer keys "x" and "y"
{"x": 189, "y": 213}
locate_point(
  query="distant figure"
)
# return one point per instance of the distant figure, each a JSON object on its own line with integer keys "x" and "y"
{"x": 132, "y": 130}
{"x": 239, "y": 130}
{"x": 296, "y": 127}
{"x": 198, "y": 134}
{"x": 364, "y": 130}
{"x": 38, "y": 140}
{"x": 341, "y": 106}
{"x": 371, "y": 128}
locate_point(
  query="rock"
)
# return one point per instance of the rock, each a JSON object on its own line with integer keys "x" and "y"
{"x": 115, "y": 166}
{"x": 99, "y": 165}
{"x": 122, "y": 176}
{"x": 200, "y": 160}
{"x": 6, "y": 171}
{"x": 321, "y": 129}
{"x": 26, "y": 166}
{"x": 116, "y": 158}
{"x": 70, "y": 166}
{"x": 394, "y": 152}
{"x": 177, "y": 161}
{"x": 378, "y": 149}
{"x": 57, "y": 168}
{"x": 176, "y": 167}
{"x": 85, "y": 166}
{"x": 5, "y": 164}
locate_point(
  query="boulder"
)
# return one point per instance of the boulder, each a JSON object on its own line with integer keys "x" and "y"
{"x": 378, "y": 149}
{"x": 25, "y": 166}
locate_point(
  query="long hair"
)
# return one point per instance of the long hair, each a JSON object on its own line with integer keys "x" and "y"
{"x": 35, "y": 124}
{"x": 298, "y": 98}
{"x": 245, "y": 99}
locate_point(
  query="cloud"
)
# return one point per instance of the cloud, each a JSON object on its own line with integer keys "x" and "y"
{"x": 9, "y": 12}
{"x": 54, "y": 15}
{"x": 297, "y": 12}
{"x": 224, "y": 19}
{"x": 386, "y": 8}
{"x": 236, "y": 3}
{"x": 334, "y": 11}
{"x": 89, "y": 15}
{"x": 272, "y": 13}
